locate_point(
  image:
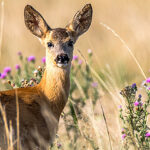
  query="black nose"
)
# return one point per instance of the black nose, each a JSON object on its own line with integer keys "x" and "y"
{"x": 62, "y": 59}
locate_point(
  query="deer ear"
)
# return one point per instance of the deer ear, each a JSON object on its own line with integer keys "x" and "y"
{"x": 35, "y": 22}
{"x": 81, "y": 21}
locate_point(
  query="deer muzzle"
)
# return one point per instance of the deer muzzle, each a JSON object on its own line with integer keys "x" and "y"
{"x": 62, "y": 60}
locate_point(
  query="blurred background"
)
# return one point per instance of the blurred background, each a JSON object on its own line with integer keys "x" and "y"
{"x": 112, "y": 61}
{"x": 130, "y": 19}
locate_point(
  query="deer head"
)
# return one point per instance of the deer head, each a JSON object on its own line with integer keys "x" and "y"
{"x": 59, "y": 42}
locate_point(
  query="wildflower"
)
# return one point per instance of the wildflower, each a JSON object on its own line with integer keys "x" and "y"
{"x": 140, "y": 96}
{"x": 148, "y": 80}
{"x": 43, "y": 60}
{"x": 35, "y": 71}
{"x": 59, "y": 145}
{"x": 75, "y": 57}
{"x": 123, "y": 136}
{"x": 19, "y": 54}
{"x": 13, "y": 85}
{"x": 141, "y": 103}
{"x": 122, "y": 130}
{"x": 31, "y": 82}
{"x": 129, "y": 91}
{"x": 94, "y": 84}
{"x": 120, "y": 106}
{"x": 147, "y": 134}
{"x": 144, "y": 83}
{"x": 17, "y": 67}
{"x": 148, "y": 88}
{"x": 7, "y": 70}
{"x": 89, "y": 51}
{"x": 39, "y": 68}
{"x": 136, "y": 103}
{"x": 3, "y": 75}
{"x": 133, "y": 85}
{"x": 80, "y": 62}
{"x": 31, "y": 58}
{"x": 22, "y": 80}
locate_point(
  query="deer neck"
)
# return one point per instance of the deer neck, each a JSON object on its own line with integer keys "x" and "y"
{"x": 55, "y": 86}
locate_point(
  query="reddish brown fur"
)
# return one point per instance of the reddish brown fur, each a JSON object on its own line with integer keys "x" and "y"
{"x": 31, "y": 101}
{"x": 59, "y": 34}
{"x": 40, "y": 106}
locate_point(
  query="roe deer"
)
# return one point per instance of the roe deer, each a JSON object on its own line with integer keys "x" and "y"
{"x": 40, "y": 106}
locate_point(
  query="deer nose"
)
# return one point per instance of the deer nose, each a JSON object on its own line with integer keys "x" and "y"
{"x": 62, "y": 59}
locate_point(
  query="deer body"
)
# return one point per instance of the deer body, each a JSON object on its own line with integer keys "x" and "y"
{"x": 40, "y": 106}
{"x": 39, "y": 109}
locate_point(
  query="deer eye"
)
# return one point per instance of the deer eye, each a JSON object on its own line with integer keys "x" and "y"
{"x": 50, "y": 44}
{"x": 70, "y": 43}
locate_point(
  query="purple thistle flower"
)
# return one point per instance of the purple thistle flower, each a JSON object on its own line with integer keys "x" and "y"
{"x": 7, "y": 70}
{"x": 31, "y": 58}
{"x": 19, "y": 53}
{"x": 75, "y": 57}
{"x": 123, "y": 136}
{"x": 120, "y": 106}
{"x": 141, "y": 103}
{"x": 140, "y": 96}
{"x": 147, "y": 134}
{"x": 3, "y": 75}
{"x": 59, "y": 145}
{"x": 136, "y": 103}
{"x": 122, "y": 130}
{"x": 134, "y": 85}
{"x": 94, "y": 84}
{"x": 17, "y": 67}
{"x": 80, "y": 62}
{"x": 44, "y": 60}
{"x": 148, "y": 80}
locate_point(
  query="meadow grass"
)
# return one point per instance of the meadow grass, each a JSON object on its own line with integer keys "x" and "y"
{"x": 84, "y": 123}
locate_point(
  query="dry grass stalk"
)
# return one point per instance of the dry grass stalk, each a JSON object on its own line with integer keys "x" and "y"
{"x": 11, "y": 136}
{"x": 124, "y": 43}
{"x": 5, "y": 123}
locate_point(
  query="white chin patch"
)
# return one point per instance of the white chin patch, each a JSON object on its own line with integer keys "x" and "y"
{"x": 62, "y": 65}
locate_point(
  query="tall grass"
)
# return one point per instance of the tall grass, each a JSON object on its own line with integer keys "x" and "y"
{"x": 5, "y": 124}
